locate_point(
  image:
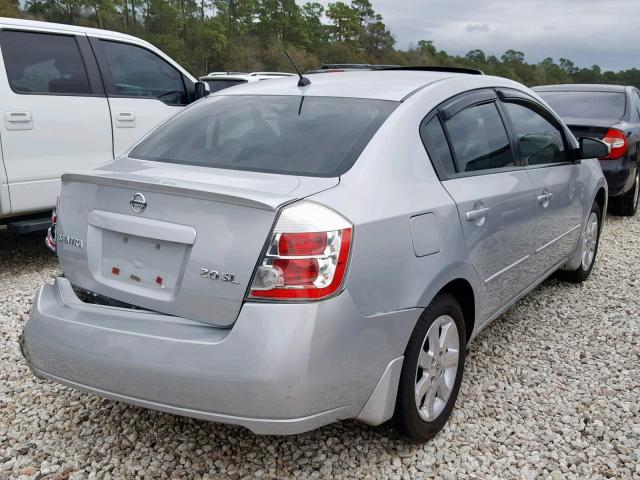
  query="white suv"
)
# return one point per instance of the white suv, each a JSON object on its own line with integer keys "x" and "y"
{"x": 74, "y": 98}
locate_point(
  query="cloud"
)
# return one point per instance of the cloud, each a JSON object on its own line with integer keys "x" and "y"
{"x": 581, "y": 30}
{"x": 477, "y": 27}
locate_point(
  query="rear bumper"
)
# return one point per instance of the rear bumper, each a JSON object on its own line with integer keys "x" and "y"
{"x": 281, "y": 369}
{"x": 620, "y": 175}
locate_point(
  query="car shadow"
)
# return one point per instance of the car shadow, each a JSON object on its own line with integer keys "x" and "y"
{"x": 20, "y": 251}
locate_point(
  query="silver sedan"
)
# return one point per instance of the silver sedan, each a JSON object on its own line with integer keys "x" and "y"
{"x": 290, "y": 253}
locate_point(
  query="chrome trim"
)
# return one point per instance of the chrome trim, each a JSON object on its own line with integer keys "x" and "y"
{"x": 506, "y": 269}
{"x": 507, "y": 306}
{"x": 538, "y": 250}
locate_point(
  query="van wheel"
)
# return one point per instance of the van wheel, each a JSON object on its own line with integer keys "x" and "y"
{"x": 432, "y": 370}
{"x": 627, "y": 204}
{"x": 589, "y": 248}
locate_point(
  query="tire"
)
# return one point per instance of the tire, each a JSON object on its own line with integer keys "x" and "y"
{"x": 590, "y": 240}
{"x": 442, "y": 316}
{"x": 627, "y": 205}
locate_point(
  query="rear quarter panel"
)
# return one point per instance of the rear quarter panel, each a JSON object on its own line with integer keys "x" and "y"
{"x": 392, "y": 182}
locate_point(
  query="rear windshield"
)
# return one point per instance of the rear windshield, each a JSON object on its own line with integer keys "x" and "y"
{"x": 600, "y": 105}
{"x": 295, "y": 135}
{"x": 217, "y": 85}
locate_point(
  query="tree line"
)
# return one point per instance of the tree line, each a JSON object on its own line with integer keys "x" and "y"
{"x": 250, "y": 35}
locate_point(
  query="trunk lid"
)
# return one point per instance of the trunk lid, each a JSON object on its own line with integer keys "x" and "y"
{"x": 589, "y": 127}
{"x": 177, "y": 239}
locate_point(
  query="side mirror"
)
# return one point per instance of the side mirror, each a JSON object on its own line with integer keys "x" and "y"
{"x": 593, "y": 148}
{"x": 201, "y": 90}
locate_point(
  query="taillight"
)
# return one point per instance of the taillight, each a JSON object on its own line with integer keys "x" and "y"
{"x": 50, "y": 240}
{"x": 307, "y": 255}
{"x": 617, "y": 142}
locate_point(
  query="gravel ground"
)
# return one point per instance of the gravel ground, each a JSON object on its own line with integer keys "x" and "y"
{"x": 551, "y": 390}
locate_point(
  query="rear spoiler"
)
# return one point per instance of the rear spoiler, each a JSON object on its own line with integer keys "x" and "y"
{"x": 428, "y": 68}
{"x": 221, "y": 193}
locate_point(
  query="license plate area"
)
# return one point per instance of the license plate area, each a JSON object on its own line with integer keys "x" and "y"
{"x": 140, "y": 265}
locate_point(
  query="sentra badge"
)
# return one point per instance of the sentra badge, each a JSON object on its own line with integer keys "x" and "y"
{"x": 72, "y": 242}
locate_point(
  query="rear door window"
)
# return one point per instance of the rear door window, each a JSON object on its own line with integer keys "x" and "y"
{"x": 435, "y": 141}
{"x": 137, "y": 72}
{"x": 540, "y": 141}
{"x": 43, "y": 63}
{"x": 479, "y": 139}
{"x": 312, "y": 136}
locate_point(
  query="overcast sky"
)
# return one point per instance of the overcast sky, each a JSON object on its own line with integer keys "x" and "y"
{"x": 603, "y": 32}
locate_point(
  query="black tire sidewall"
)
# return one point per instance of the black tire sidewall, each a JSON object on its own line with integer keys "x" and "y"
{"x": 407, "y": 418}
{"x": 580, "y": 274}
{"x": 594, "y": 208}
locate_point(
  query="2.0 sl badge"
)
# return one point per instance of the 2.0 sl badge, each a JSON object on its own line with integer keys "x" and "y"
{"x": 216, "y": 275}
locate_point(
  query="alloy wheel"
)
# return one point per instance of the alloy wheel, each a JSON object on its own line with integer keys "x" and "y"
{"x": 437, "y": 368}
{"x": 590, "y": 241}
{"x": 636, "y": 192}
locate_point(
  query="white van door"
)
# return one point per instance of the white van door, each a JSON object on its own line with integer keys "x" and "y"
{"x": 55, "y": 115}
{"x": 143, "y": 89}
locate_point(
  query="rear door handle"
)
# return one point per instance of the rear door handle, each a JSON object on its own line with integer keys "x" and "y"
{"x": 18, "y": 120}
{"x": 125, "y": 119}
{"x": 544, "y": 199}
{"x": 478, "y": 214}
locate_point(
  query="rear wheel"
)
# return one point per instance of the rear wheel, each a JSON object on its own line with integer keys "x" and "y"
{"x": 432, "y": 370}
{"x": 588, "y": 248}
{"x": 627, "y": 204}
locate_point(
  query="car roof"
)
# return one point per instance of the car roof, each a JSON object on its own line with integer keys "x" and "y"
{"x": 580, "y": 87}
{"x": 63, "y": 28}
{"x": 378, "y": 85}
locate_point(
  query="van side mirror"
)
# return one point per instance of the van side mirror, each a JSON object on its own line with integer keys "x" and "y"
{"x": 201, "y": 90}
{"x": 593, "y": 148}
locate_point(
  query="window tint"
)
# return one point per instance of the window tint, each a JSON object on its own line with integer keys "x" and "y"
{"x": 43, "y": 63}
{"x": 436, "y": 144}
{"x": 137, "y": 72}
{"x": 313, "y": 136}
{"x": 479, "y": 139}
{"x": 600, "y": 105}
{"x": 217, "y": 85}
{"x": 540, "y": 141}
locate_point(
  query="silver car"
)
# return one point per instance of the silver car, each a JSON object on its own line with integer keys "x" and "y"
{"x": 282, "y": 256}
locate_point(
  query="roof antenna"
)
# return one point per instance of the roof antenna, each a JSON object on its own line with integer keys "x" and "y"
{"x": 303, "y": 81}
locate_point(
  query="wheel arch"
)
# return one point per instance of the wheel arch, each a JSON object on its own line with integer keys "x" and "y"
{"x": 463, "y": 292}
{"x": 601, "y": 200}
{"x": 462, "y": 282}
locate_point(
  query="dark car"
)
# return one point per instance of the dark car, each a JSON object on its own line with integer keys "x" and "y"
{"x": 612, "y": 114}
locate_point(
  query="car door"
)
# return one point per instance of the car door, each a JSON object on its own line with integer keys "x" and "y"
{"x": 55, "y": 114}
{"x": 493, "y": 196}
{"x": 143, "y": 89}
{"x": 558, "y": 181}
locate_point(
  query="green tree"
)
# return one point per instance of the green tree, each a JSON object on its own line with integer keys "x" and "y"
{"x": 206, "y": 35}
{"x": 9, "y": 8}
{"x": 476, "y": 56}
{"x": 377, "y": 40}
{"x": 512, "y": 56}
{"x": 346, "y": 22}
{"x": 315, "y": 32}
